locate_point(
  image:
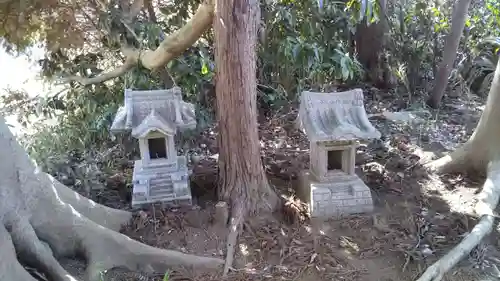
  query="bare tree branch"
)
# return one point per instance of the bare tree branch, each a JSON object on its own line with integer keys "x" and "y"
{"x": 171, "y": 47}
{"x": 177, "y": 42}
{"x": 132, "y": 57}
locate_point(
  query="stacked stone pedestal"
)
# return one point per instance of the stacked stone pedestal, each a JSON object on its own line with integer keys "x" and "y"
{"x": 335, "y": 198}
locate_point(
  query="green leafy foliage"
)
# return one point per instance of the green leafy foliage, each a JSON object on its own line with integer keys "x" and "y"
{"x": 368, "y": 10}
{"x": 76, "y": 145}
{"x": 24, "y": 23}
{"x": 417, "y": 30}
{"x": 166, "y": 276}
{"x": 479, "y": 71}
{"x": 306, "y": 45}
{"x": 482, "y": 46}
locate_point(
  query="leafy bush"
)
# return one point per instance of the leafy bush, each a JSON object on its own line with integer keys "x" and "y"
{"x": 481, "y": 45}
{"x": 305, "y": 44}
{"x": 479, "y": 71}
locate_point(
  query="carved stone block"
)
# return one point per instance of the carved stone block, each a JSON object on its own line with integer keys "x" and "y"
{"x": 335, "y": 199}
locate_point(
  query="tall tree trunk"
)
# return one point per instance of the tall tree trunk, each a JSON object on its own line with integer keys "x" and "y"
{"x": 243, "y": 182}
{"x": 450, "y": 52}
{"x": 370, "y": 45}
{"x": 481, "y": 153}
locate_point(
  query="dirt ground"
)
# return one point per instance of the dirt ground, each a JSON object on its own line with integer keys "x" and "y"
{"x": 417, "y": 219}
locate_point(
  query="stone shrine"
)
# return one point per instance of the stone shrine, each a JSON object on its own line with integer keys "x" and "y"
{"x": 153, "y": 117}
{"x": 334, "y": 123}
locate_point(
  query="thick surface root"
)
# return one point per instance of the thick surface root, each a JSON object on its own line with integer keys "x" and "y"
{"x": 69, "y": 233}
{"x": 454, "y": 162}
{"x": 106, "y": 249}
{"x": 62, "y": 231}
{"x": 108, "y": 217}
{"x": 10, "y": 268}
{"x": 232, "y": 238}
{"x": 35, "y": 252}
{"x": 488, "y": 199}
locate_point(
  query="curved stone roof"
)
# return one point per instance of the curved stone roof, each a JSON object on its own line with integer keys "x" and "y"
{"x": 167, "y": 106}
{"x": 336, "y": 116}
{"x": 153, "y": 122}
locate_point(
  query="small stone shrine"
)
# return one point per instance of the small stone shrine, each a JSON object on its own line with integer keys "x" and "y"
{"x": 334, "y": 123}
{"x": 153, "y": 117}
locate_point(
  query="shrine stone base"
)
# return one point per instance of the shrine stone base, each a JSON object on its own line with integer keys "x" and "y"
{"x": 335, "y": 198}
{"x": 164, "y": 203}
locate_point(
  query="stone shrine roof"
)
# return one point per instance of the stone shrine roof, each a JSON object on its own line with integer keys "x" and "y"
{"x": 162, "y": 110}
{"x": 336, "y": 116}
{"x": 153, "y": 122}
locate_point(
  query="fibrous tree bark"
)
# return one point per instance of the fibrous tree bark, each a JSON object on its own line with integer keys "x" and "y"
{"x": 450, "y": 52}
{"x": 370, "y": 42}
{"x": 480, "y": 153}
{"x": 42, "y": 220}
{"x": 243, "y": 182}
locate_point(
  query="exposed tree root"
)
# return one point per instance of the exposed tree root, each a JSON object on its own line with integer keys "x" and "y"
{"x": 480, "y": 152}
{"x": 488, "y": 199}
{"x": 455, "y": 161}
{"x": 42, "y": 220}
{"x": 110, "y": 218}
{"x": 234, "y": 229}
{"x": 35, "y": 252}
{"x": 10, "y": 268}
{"x": 68, "y": 232}
{"x": 268, "y": 203}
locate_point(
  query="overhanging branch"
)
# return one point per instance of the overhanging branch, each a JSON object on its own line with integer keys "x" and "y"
{"x": 171, "y": 47}
{"x": 132, "y": 57}
{"x": 177, "y": 42}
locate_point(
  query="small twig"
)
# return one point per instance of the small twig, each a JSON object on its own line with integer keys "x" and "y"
{"x": 154, "y": 218}
{"x": 407, "y": 261}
